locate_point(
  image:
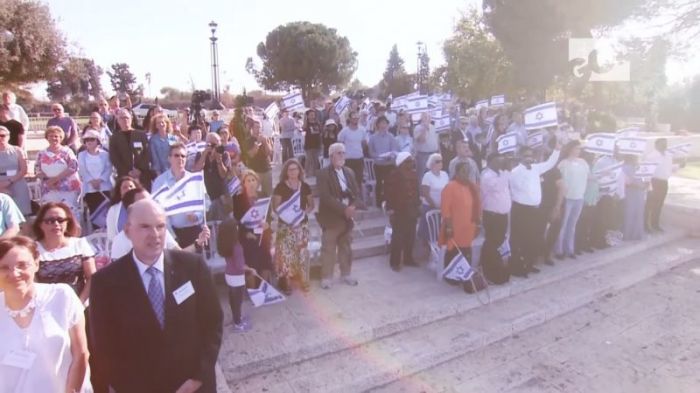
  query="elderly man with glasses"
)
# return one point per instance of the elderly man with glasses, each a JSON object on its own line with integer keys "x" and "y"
{"x": 129, "y": 152}
{"x": 67, "y": 124}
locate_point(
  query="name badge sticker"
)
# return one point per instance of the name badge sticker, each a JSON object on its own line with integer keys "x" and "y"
{"x": 184, "y": 292}
{"x": 138, "y": 145}
{"x": 11, "y": 172}
{"x": 20, "y": 359}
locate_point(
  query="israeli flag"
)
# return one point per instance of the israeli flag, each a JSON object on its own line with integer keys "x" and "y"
{"x": 185, "y": 196}
{"x": 601, "y": 143}
{"x": 290, "y": 210}
{"x": 265, "y": 294}
{"x": 442, "y": 123}
{"x": 645, "y": 170}
{"x": 399, "y": 104}
{"x": 507, "y": 143}
{"x": 272, "y": 110}
{"x": 458, "y": 269}
{"x": 631, "y": 145}
{"x": 434, "y": 100}
{"x": 417, "y": 104}
{"x": 195, "y": 147}
{"x": 342, "y": 103}
{"x": 446, "y": 97}
{"x": 234, "y": 186}
{"x": 680, "y": 150}
{"x": 481, "y": 104}
{"x": 99, "y": 216}
{"x": 255, "y": 216}
{"x": 293, "y": 102}
{"x": 541, "y": 116}
{"x": 498, "y": 101}
{"x": 536, "y": 139}
{"x": 504, "y": 249}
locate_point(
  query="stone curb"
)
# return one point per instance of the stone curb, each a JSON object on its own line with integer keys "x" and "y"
{"x": 424, "y": 317}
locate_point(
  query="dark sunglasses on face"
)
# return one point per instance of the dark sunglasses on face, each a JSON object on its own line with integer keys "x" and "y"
{"x": 54, "y": 220}
{"x": 89, "y": 140}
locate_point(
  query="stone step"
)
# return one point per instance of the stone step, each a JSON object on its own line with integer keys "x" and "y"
{"x": 341, "y": 319}
{"x": 417, "y": 349}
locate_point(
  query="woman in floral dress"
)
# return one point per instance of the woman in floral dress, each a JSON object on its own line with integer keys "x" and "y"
{"x": 291, "y": 243}
{"x": 57, "y": 168}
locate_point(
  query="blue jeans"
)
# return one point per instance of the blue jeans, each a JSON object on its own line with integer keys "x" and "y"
{"x": 567, "y": 234}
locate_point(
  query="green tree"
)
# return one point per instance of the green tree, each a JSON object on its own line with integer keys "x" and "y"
{"x": 123, "y": 80}
{"x": 534, "y": 33}
{"x": 476, "y": 66}
{"x": 76, "y": 80}
{"x": 31, "y": 46}
{"x": 306, "y": 55}
{"x": 395, "y": 80}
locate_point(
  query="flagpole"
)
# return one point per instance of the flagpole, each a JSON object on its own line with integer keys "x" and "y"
{"x": 267, "y": 213}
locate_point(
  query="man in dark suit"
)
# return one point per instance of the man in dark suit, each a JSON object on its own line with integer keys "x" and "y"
{"x": 155, "y": 318}
{"x": 129, "y": 152}
{"x": 339, "y": 197}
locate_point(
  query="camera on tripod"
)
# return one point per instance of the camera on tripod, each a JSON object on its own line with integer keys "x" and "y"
{"x": 198, "y": 98}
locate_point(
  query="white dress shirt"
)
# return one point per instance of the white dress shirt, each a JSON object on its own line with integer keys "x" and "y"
{"x": 664, "y": 168}
{"x": 525, "y": 184}
{"x": 146, "y": 277}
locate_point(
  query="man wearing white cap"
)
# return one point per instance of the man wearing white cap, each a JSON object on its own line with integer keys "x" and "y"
{"x": 403, "y": 206}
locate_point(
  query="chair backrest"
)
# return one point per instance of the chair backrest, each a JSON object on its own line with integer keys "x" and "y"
{"x": 433, "y": 219}
{"x": 34, "y": 190}
{"x": 298, "y": 147}
{"x": 102, "y": 245}
{"x": 369, "y": 171}
{"x": 214, "y": 229}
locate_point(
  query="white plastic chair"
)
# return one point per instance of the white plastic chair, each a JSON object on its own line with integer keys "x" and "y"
{"x": 388, "y": 230}
{"x": 214, "y": 229}
{"x": 34, "y": 190}
{"x": 370, "y": 179}
{"x": 102, "y": 245}
{"x": 298, "y": 148}
{"x": 434, "y": 220}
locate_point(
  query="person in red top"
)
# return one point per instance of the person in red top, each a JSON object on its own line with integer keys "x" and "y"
{"x": 460, "y": 209}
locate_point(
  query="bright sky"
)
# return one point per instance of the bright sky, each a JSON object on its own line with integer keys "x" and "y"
{"x": 170, "y": 39}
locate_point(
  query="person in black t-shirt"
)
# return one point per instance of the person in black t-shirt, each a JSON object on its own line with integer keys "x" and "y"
{"x": 16, "y": 129}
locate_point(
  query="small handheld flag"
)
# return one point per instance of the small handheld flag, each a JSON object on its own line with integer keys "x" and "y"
{"x": 234, "y": 186}
{"x": 185, "y": 196}
{"x": 504, "y": 249}
{"x": 442, "y": 123}
{"x": 631, "y": 145}
{"x": 458, "y": 269}
{"x": 272, "y": 110}
{"x": 256, "y": 214}
{"x": 536, "y": 139}
{"x": 645, "y": 170}
{"x": 680, "y": 150}
{"x": 290, "y": 210}
{"x": 541, "y": 116}
{"x": 293, "y": 102}
{"x": 498, "y": 101}
{"x": 481, "y": 104}
{"x": 507, "y": 143}
{"x": 417, "y": 104}
{"x": 601, "y": 143}
{"x": 265, "y": 294}
{"x": 342, "y": 103}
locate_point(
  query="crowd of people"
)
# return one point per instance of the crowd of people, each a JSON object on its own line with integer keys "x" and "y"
{"x": 118, "y": 327}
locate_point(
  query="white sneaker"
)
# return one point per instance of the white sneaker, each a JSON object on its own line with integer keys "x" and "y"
{"x": 326, "y": 284}
{"x": 350, "y": 281}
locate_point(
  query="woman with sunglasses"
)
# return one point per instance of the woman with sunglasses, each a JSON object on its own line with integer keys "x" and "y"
{"x": 97, "y": 124}
{"x": 95, "y": 170}
{"x": 64, "y": 256}
{"x": 13, "y": 169}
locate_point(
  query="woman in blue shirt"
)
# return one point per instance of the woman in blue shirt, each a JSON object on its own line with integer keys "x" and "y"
{"x": 159, "y": 144}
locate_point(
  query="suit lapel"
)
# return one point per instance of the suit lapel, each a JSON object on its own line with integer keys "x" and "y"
{"x": 171, "y": 275}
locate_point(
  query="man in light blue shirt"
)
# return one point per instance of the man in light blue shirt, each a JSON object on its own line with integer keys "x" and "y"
{"x": 10, "y": 217}
{"x": 186, "y": 226}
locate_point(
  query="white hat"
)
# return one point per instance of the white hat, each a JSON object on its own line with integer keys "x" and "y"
{"x": 401, "y": 157}
{"x": 331, "y": 121}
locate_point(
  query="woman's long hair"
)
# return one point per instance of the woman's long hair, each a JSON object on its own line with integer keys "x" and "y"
{"x": 227, "y": 237}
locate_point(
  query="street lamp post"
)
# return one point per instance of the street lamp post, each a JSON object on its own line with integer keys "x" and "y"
{"x": 214, "y": 65}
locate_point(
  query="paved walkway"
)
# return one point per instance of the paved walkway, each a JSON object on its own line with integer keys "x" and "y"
{"x": 644, "y": 339}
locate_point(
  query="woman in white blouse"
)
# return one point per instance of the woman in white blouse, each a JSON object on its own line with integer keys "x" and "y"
{"x": 43, "y": 346}
{"x": 95, "y": 172}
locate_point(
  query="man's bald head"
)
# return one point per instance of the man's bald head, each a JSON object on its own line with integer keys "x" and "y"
{"x": 145, "y": 227}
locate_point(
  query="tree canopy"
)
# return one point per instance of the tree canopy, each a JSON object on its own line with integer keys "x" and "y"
{"x": 31, "y": 46}
{"x": 306, "y": 55}
{"x": 123, "y": 80}
{"x": 76, "y": 80}
{"x": 395, "y": 80}
{"x": 476, "y": 66}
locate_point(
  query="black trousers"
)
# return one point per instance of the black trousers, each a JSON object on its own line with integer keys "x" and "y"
{"x": 403, "y": 236}
{"x": 94, "y": 200}
{"x": 186, "y": 236}
{"x": 287, "y": 150}
{"x": 525, "y": 235}
{"x": 603, "y": 220}
{"x": 358, "y": 166}
{"x": 655, "y": 202}
{"x": 584, "y": 228}
{"x": 381, "y": 173}
{"x": 235, "y": 301}
{"x": 495, "y": 228}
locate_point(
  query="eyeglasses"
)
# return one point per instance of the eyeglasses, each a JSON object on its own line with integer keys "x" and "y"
{"x": 179, "y": 155}
{"x": 54, "y": 220}
{"x": 4, "y": 135}
{"x": 89, "y": 139}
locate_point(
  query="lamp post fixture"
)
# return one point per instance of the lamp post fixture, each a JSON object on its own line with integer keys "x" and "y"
{"x": 216, "y": 97}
